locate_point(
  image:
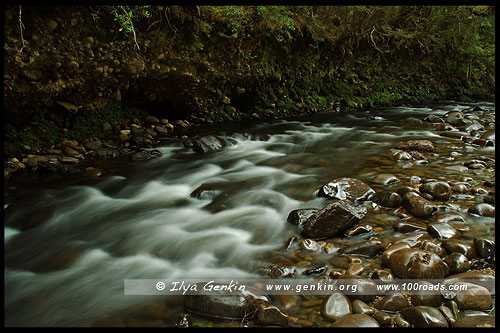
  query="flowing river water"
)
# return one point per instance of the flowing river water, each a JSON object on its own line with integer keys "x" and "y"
{"x": 141, "y": 220}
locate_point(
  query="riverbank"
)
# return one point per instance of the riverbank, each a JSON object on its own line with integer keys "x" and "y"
{"x": 76, "y": 72}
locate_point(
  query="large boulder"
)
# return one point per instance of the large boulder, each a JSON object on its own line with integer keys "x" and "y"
{"x": 332, "y": 220}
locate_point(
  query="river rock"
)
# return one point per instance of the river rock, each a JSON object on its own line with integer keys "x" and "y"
{"x": 407, "y": 226}
{"x": 365, "y": 289}
{"x": 439, "y": 190}
{"x": 243, "y": 304}
{"x": 417, "y": 145}
{"x": 33, "y": 161}
{"x": 386, "y": 255}
{"x": 473, "y": 298}
{"x": 393, "y": 302}
{"x": 356, "y": 320}
{"x": 388, "y": 199}
{"x": 457, "y": 262}
{"x": 365, "y": 248}
{"x": 442, "y": 230}
{"x": 482, "y": 209}
{"x": 424, "y": 316}
{"x": 455, "y": 245}
{"x": 358, "y": 229}
{"x": 413, "y": 240}
{"x": 385, "y": 179}
{"x": 447, "y": 216}
{"x": 400, "y": 155}
{"x": 417, "y": 264}
{"x": 209, "y": 143}
{"x": 455, "y": 118}
{"x": 434, "y": 246}
{"x": 336, "y": 305}
{"x": 358, "y": 306}
{"x": 92, "y": 145}
{"x": 434, "y": 119}
{"x": 426, "y": 294}
{"x": 299, "y": 216}
{"x": 346, "y": 188}
{"x": 485, "y": 248}
{"x": 418, "y": 206}
{"x": 475, "y": 321}
{"x": 332, "y": 219}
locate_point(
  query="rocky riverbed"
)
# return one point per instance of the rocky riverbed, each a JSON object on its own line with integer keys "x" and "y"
{"x": 383, "y": 195}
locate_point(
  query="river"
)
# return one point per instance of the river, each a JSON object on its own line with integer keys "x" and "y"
{"x": 140, "y": 221}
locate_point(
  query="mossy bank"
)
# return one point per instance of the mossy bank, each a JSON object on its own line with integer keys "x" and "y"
{"x": 70, "y": 70}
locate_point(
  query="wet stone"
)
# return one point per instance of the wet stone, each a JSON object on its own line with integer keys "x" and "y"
{"x": 457, "y": 262}
{"x": 355, "y": 269}
{"x": 216, "y": 305}
{"x": 336, "y": 306}
{"x": 455, "y": 245}
{"x": 482, "y": 209}
{"x": 426, "y": 294}
{"x": 332, "y": 220}
{"x": 442, "y": 231}
{"x": 418, "y": 206}
{"x": 439, "y": 190}
{"x": 447, "y": 216}
{"x": 366, "y": 289}
{"x": 346, "y": 188}
{"x": 434, "y": 246}
{"x": 382, "y": 318}
{"x": 417, "y": 145}
{"x": 358, "y": 229}
{"x": 383, "y": 275}
{"x": 388, "y": 199}
{"x": 401, "y": 322}
{"x": 485, "y": 248}
{"x": 417, "y": 264}
{"x": 459, "y": 188}
{"x": 210, "y": 143}
{"x": 299, "y": 216}
{"x": 406, "y": 227}
{"x": 448, "y": 314}
{"x": 424, "y": 316}
{"x": 315, "y": 271}
{"x": 309, "y": 245}
{"x": 356, "y": 320}
{"x": 473, "y": 298}
{"x": 393, "y": 302}
{"x": 386, "y": 255}
{"x": 278, "y": 272}
{"x": 475, "y": 321}
{"x": 358, "y": 306}
{"x": 385, "y": 179}
{"x": 366, "y": 248}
